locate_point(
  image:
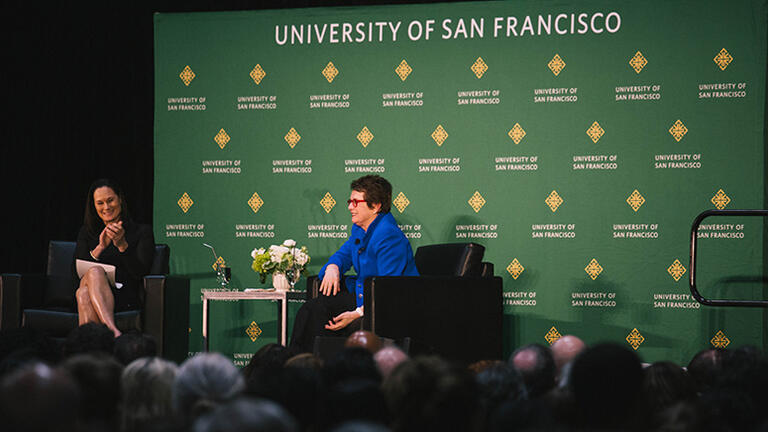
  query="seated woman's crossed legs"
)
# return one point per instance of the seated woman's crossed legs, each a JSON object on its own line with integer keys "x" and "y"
{"x": 95, "y": 302}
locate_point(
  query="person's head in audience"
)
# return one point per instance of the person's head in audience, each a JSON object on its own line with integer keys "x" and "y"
{"x": 564, "y": 350}
{"x": 606, "y": 381}
{"x": 37, "y": 398}
{"x": 305, "y": 360}
{"x": 705, "y": 368}
{"x": 388, "y": 358}
{"x": 89, "y": 338}
{"x": 20, "y": 346}
{"x": 146, "y": 386}
{"x": 497, "y": 384}
{"x": 364, "y": 339}
{"x": 536, "y": 365}
{"x": 133, "y": 345}
{"x": 428, "y": 393}
{"x": 204, "y": 382}
{"x": 247, "y": 415}
{"x": 98, "y": 376}
{"x": 665, "y": 384}
{"x": 353, "y": 399}
{"x": 266, "y": 360}
{"x": 351, "y": 363}
{"x": 360, "y": 426}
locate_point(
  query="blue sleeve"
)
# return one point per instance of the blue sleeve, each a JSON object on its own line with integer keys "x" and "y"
{"x": 393, "y": 255}
{"x": 342, "y": 258}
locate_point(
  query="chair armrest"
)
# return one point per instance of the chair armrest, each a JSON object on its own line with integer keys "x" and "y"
{"x": 459, "y": 318}
{"x": 19, "y": 292}
{"x": 313, "y": 287}
{"x": 166, "y": 314}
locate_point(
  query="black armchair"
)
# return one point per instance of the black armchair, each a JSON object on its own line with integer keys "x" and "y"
{"x": 454, "y": 309}
{"x": 46, "y": 302}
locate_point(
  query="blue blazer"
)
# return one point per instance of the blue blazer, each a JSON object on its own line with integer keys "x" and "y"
{"x": 383, "y": 250}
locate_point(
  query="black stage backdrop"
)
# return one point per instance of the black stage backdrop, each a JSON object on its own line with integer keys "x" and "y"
{"x": 78, "y": 90}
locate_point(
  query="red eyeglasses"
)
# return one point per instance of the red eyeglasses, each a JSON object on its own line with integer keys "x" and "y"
{"x": 354, "y": 202}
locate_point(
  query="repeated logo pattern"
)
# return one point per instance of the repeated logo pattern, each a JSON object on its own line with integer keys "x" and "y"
{"x": 476, "y": 201}
{"x": 593, "y": 269}
{"x": 515, "y": 269}
{"x": 517, "y": 133}
{"x": 292, "y": 137}
{"x": 187, "y": 75}
{"x": 635, "y": 339}
{"x": 328, "y": 202}
{"x": 479, "y": 67}
{"x": 255, "y": 202}
{"x": 556, "y": 65}
{"x": 720, "y": 340}
{"x": 678, "y": 130}
{"x": 723, "y": 59}
{"x": 638, "y": 62}
{"x": 553, "y": 201}
{"x": 330, "y": 72}
{"x": 439, "y": 135}
{"x": 257, "y": 74}
{"x": 595, "y": 132}
{"x": 552, "y": 335}
{"x": 676, "y": 270}
{"x": 401, "y": 202}
{"x": 365, "y": 136}
{"x": 221, "y": 138}
{"x": 720, "y": 200}
{"x": 403, "y": 70}
{"x": 253, "y": 331}
{"x": 185, "y": 202}
{"x": 635, "y": 200}
{"x": 219, "y": 262}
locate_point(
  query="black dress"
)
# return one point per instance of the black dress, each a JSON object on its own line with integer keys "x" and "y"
{"x": 131, "y": 265}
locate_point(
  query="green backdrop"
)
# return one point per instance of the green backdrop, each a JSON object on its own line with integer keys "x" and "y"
{"x": 576, "y": 141}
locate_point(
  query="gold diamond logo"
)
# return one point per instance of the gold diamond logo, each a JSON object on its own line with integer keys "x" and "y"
{"x": 479, "y": 67}
{"x": 187, "y": 75}
{"x": 720, "y": 200}
{"x": 221, "y": 138}
{"x": 185, "y": 202}
{"x": 638, "y": 62}
{"x": 678, "y": 130}
{"x": 328, "y": 202}
{"x": 401, "y": 202}
{"x": 403, "y": 70}
{"x": 595, "y": 132}
{"x": 676, "y": 270}
{"x": 720, "y": 340}
{"x": 292, "y": 137}
{"x": 635, "y": 339}
{"x": 255, "y": 202}
{"x": 515, "y": 269}
{"x": 552, "y": 335}
{"x": 723, "y": 59}
{"x": 365, "y": 136}
{"x": 516, "y": 133}
{"x": 257, "y": 74}
{"x": 553, "y": 201}
{"x": 476, "y": 202}
{"x": 330, "y": 72}
{"x": 253, "y": 331}
{"x": 439, "y": 135}
{"x": 635, "y": 200}
{"x": 593, "y": 269}
{"x": 219, "y": 262}
{"x": 556, "y": 65}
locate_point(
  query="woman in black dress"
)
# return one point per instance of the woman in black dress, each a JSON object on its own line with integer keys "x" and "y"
{"x": 109, "y": 236}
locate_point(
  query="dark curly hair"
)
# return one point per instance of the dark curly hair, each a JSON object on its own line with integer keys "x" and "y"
{"x": 376, "y": 189}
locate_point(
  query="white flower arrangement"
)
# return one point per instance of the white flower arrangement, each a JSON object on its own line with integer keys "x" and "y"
{"x": 283, "y": 258}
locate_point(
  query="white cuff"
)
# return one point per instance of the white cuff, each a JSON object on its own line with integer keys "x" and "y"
{"x": 359, "y": 311}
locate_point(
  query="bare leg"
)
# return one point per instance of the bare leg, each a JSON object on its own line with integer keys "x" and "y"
{"x": 85, "y": 312}
{"x": 101, "y": 299}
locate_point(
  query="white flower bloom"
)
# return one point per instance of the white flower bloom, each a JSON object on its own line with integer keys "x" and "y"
{"x": 257, "y": 251}
{"x": 289, "y": 243}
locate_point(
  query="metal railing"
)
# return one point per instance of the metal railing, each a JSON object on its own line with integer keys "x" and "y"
{"x": 694, "y": 236}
